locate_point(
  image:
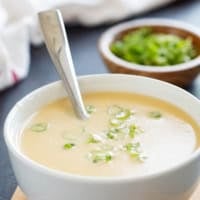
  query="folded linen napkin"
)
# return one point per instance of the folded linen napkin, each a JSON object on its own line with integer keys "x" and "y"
{"x": 19, "y": 26}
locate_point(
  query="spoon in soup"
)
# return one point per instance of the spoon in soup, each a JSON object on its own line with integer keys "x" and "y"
{"x": 56, "y": 41}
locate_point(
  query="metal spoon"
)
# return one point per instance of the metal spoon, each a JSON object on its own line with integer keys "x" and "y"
{"x": 55, "y": 37}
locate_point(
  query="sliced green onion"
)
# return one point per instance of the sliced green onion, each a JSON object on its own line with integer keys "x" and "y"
{"x": 155, "y": 114}
{"x": 115, "y": 129}
{"x": 132, "y": 147}
{"x": 145, "y": 47}
{"x": 132, "y": 131}
{"x": 100, "y": 156}
{"x": 119, "y": 112}
{"x": 39, "y": 127}
{"x": 111, "y": 135}
{"x": 94, "y": 138}
{"x": 115, "y": 109}
{"x": 90, "y": 109}
{"x": 115, "y": 122}
{"x": 134, "y": 150}
{"x": 123, "y": 115}
{"x": 68, "y": 145}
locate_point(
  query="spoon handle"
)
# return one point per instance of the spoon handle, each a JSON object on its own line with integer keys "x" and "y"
{"x": 55, "y": 37}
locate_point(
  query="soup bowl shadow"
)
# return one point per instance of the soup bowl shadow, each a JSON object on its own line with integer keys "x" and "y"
{"x": 42, "y": 183}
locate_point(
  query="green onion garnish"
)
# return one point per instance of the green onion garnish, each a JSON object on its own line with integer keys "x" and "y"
{"x": 68, "y": 145}
{"x": 132, "y": 147}
{"x": 94, "y": 139}
{"x": 145, "y": 47}
{"x": 115, "y": 122}
{"x": 120, "y": 128}
{"x": 123, "y": 115}
{"x": 111, "y": 135}
{"x": 119, "y": 115}
{"x": 114, "y": 110}
{"x": 155, "y": 114}
{"x": 132, "y": 131}
{"x": 39, "y": 127}
{"x": 119, "y": 112}
{"x": 90, "y": 109}
{"x": 134, "y": 150}
{"x": 100, "y": 156}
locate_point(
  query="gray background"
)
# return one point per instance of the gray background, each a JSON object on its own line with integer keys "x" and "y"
{"x": 87, "y": 61}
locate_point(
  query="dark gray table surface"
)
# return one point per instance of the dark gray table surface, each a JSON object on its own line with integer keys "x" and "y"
{"x": 87, "y": 61}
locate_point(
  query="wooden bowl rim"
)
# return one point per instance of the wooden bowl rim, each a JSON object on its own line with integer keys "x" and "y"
{"x": 108, "y": 36}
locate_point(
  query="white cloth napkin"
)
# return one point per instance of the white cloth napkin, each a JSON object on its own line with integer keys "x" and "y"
{"x": 19, "y": 26}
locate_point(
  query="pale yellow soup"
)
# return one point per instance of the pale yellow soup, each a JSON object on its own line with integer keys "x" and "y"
{"x": 126, "y": 135}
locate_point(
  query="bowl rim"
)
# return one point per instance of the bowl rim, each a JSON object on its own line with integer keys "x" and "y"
{"x": 91, "y": 179}
{"x": 107, "y": 37}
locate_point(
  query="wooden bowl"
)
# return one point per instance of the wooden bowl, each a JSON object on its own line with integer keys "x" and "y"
{"x": 181, "y": 74}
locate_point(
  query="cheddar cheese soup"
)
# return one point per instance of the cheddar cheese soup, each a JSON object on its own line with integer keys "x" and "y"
{"x": 126, "y": 135}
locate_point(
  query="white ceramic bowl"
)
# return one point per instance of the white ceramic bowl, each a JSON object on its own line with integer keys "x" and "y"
{"x": 42, "y": 183}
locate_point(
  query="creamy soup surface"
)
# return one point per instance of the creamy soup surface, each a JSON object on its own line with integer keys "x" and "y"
{"x": 126, "y": 135}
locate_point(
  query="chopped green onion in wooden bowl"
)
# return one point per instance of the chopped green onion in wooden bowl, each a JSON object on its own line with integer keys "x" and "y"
{"x": 145, "y": 47}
